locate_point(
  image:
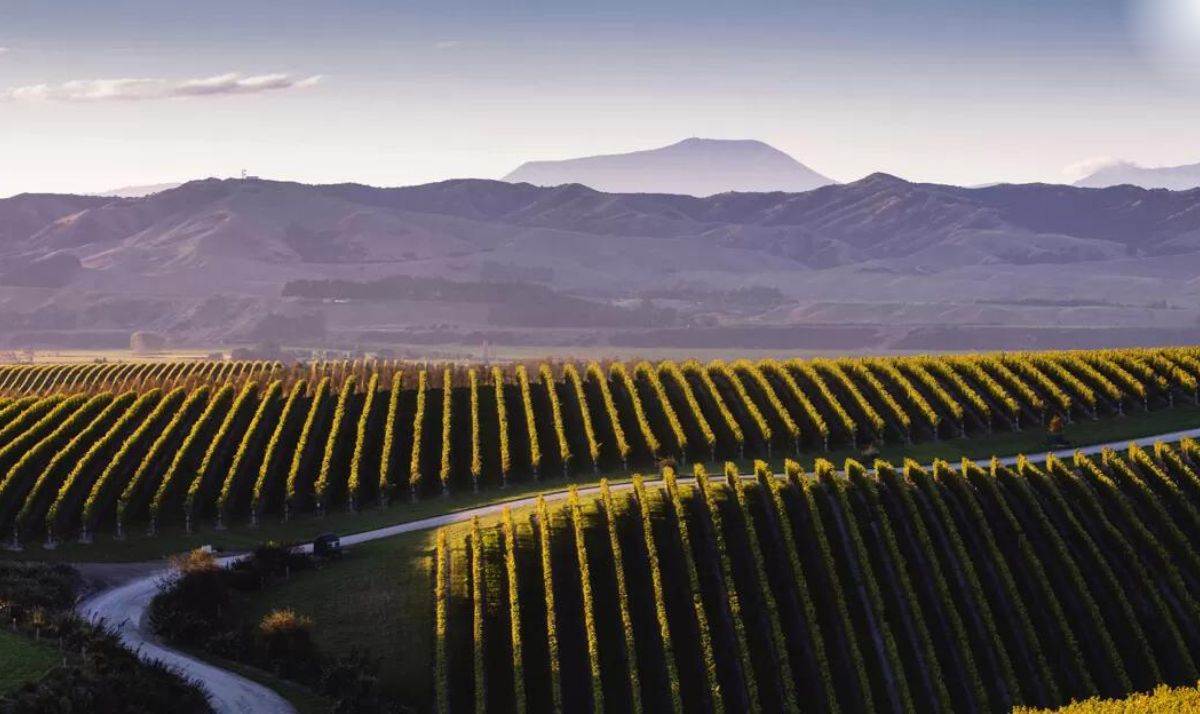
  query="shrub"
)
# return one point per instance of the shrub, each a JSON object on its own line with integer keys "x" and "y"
{"x": 193, "y": 601}
{"x": 109, "y": 679}
{"x": 267, "y": 562}
{"x": 30, "y": 585}
{"x": 352, "y": 682}
{"x": 286, "y": 636}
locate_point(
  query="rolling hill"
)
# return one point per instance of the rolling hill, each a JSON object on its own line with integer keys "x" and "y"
{"x": 878, "y": 217}
{"x": 206, "y": 259}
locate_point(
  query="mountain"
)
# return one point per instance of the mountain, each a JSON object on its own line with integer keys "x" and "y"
{"x": 695, "y": 167}
{"x": 138, "y": 191}
{"x": 284, "y": 224}
{"x": 208, "y": 262}
{"x": 1174, "y": 178}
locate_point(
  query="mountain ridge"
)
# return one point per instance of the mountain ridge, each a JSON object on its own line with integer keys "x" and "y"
{"x": 220, "y": 224}
{"x": 208, "y": 260}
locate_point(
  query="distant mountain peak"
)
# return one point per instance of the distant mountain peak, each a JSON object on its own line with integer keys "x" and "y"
{"x": 882, "y": 178}
{"x": 138, "y": 191}
{"x": 1118, "y": 173}
{"x": 704, "y": 141}
{"x": 694, "y": 166}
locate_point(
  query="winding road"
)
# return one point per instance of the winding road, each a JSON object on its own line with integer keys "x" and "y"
{"x": 125, "y": 605}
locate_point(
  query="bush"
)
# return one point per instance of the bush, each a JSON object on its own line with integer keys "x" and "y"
{"x": 268, "y": 562}
{"x": 352, "y": 683}
{"x": 231, "y": 644}
{"x": 275, "y": 559}
{"x": 25, "y": 586}
{"x": 193, "y": 601}
{"x": 196, "y": 561}
{"x": 107, "y": 678}
{"x": 285, "y": 635}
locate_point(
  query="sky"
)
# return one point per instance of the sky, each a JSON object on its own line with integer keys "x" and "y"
{"x": 95, "y": 96}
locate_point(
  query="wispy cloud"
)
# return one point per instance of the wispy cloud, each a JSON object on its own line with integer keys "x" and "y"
{"x": 1087, "y": 167}
{"x": 141, "y": 89}
{"x": 447, "y": 44}
{"x": 233, "y": 83}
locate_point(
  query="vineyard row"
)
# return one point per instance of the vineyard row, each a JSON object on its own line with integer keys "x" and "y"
{"x": 899, "y": 589}
{"x": 150, "y": 445}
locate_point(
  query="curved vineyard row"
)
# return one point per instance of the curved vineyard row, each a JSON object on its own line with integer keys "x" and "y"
{"x": 27, "y": 379}
{"x": 892, "y": 589}
{"x": 232, "y": 442}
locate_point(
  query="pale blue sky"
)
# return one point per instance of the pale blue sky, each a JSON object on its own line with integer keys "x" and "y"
{"x": 964, "y": 91}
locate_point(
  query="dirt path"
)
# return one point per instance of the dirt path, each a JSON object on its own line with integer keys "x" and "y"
{"x": 124, "y": 608}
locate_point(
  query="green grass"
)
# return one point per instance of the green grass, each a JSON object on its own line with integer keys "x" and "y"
{"x": 23, "y": 660}
{"x": 357, "y": 601}
{"x": 139, "y": 547}
{"x": 1032, "y": 441}
{"x": 168, "y": 541}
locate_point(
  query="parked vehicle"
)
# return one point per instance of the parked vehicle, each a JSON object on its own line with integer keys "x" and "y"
{"x": 327, "y": 545}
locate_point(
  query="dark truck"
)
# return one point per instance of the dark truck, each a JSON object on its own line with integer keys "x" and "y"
{"x": 327, "y": 545}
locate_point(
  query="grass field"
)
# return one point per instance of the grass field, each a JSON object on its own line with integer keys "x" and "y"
{"x": 354, "y": 603}
{"x": 23, "y": 660}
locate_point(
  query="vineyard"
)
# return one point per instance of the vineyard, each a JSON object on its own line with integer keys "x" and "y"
{"x": 135, "y": 447}
{"x": 894, "y": 588}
